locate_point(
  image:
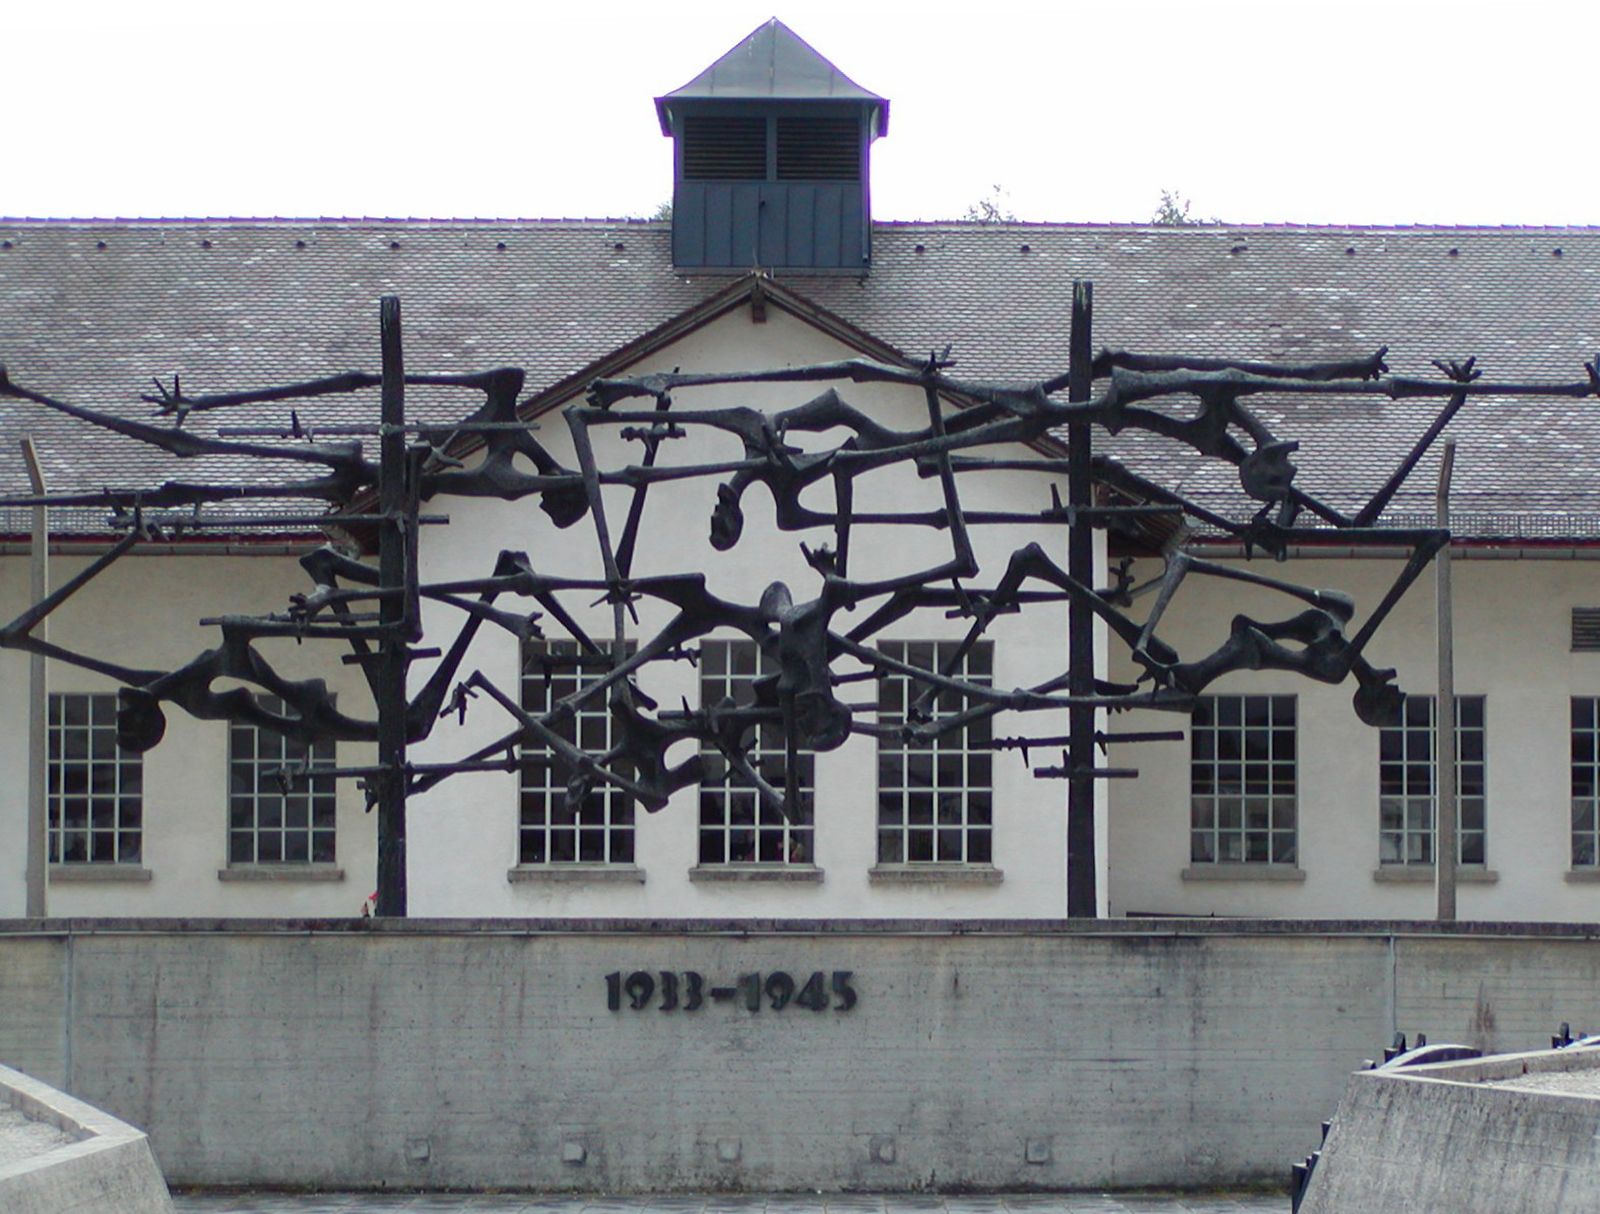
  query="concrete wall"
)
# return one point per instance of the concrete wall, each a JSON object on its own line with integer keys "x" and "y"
{"x": 983, "y": 1054}
{"x": 1512, "y": 646}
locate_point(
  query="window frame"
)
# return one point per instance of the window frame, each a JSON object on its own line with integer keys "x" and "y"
{"x": 1584, "y": 778}
{"x": 1244, "y": 780}
{"x": 966, "y": 754}
{"x": 612, "y": 812}
{"x": 253, "y": 788}
{"x": 1413, "y": 756}
{"x": 731, "y": 667}
{"x": 102, "y": 761}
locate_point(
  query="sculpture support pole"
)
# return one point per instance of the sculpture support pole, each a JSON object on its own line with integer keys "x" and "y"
{"x": 1082, "y": 896}
{"x": 391, "y": 658}
{"x": 38, "y": 700}
{"x": 1444, "y": 717}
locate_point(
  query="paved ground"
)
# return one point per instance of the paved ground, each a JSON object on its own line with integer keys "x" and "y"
{"x": 852, "y": 1203}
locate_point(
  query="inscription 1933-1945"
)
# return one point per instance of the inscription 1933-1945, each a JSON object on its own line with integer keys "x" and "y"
{"x": 688, "y": 992}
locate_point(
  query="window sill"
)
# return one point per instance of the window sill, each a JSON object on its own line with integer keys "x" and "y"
{"x": 281, "y": 872}
{"x": 1227, "y": 871}
{"x": 756, "y": 872}
{"x": 67, "y": 873}
{"x": 935, "y": 874}
{"x": 1469, "y": 874}
{"x": 1582, "y": 876}
{"x": 535, "y": 874}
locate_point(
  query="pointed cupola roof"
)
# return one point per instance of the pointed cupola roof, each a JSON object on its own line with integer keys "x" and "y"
{"x": 773, "y": 64}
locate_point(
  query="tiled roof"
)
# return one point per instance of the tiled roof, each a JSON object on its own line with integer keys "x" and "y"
{"x": 91, "y": 310}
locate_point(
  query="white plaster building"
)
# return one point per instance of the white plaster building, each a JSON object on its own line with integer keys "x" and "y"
{"x": 1322, "y": 817}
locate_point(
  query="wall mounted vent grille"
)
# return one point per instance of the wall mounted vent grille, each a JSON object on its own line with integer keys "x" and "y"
{"x": 717, "y": 148}
{"x": 819, "y": 149}
{"x": 1586, "y": 630}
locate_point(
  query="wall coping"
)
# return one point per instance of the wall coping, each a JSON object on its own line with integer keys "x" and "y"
{"x": 1124, "y": 928}
{"x": 107, "y": 1159}
{"x": 1493, "y": 1070}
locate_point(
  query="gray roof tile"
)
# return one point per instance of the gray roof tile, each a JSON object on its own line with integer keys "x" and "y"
{"x": 91, "y": 310}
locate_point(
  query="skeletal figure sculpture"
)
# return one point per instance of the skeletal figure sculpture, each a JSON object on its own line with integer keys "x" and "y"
{"x": 378, "y": 614}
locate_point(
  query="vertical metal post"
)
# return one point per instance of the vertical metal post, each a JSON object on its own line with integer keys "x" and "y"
{"x": 1082, "y": 898}
{"x": 37, "y": 850}
{"x": 1444, "y": 719}
{"x": 391, "y": 659}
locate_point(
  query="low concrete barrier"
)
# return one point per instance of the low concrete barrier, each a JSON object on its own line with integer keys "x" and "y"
{"x": 626, "y": 1056}
{"x": 61, "y": 1156}
{"x": 1485, "y": 1136}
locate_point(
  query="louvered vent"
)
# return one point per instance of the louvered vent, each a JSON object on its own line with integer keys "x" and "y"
{"x": 1586, "y": 630}
{"x": 717, "y": 148}
{"x": 819, "y": 149}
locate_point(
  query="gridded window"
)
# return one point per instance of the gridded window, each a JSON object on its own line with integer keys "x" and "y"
{"x": 935, "y": 796}
{"x": 1585, "y": 781}
{"x": 1242, "y": 780}
{"x": 96, "y": 789}
{"x": 279, "y": 810}
{"x": 1406, "y": 792}
{"x": 552, "y": 829}
{"x": 736, "y": 826}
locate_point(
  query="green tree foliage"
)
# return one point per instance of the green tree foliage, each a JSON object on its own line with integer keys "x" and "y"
{"x": 993, "y": 207}
{"x": 1173, "y": 212}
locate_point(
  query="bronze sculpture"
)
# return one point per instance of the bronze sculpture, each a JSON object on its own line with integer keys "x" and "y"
{"x": 376, "y": 609}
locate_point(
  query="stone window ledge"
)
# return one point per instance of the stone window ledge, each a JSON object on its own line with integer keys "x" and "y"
{"x": 1243, "y": 872}
{"x": 1582, "y": 876}
{"x": 1467, "y": 874}
{"x": 60, "y": 873}
{"x": 935, "y": 874}
{"x": 756, "y": 872}
{"x": 534, "y": 874}
{"x": 281, "y": 872}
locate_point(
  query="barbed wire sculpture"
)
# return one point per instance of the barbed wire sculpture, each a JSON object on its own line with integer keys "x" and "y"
{"x": 376, "y": 608}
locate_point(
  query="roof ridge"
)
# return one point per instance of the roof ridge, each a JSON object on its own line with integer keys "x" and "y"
{"x": 598, "y": 221}
{"x": 1079, "y": 225}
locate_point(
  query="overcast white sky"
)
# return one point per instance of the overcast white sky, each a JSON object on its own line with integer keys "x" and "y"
{"x": 1354, "y": 112}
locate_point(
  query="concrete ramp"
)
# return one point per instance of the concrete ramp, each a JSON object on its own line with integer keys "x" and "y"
{"x": 1483, "y": 1136}
{"x": 61, "y": 1156}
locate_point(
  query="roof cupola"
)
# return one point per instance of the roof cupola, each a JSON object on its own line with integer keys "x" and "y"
{"x": 771, "y": 157}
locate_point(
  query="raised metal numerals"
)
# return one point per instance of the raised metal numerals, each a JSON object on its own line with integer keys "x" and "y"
{"x": 687, "y": 991}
